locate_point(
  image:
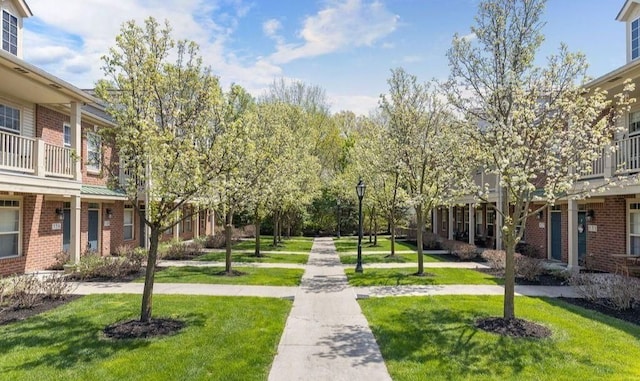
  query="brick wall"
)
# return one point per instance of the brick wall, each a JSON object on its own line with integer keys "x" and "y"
{"x": 536, "y": 235}
{"x": 611, "y": 236}
{"x": 49, "y": 127}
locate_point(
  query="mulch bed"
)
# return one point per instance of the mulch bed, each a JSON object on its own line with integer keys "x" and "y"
{"x": 631, "y": 316}
{"x": 542, "y": 280}
{"x": 513, "y": 327}
{"x": 135, "y": 329}
{"x": 10, "y": 315}
{"x": 124, "y": 278}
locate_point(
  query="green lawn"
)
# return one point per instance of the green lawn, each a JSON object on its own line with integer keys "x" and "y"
{"x": 396, "y": 277}
{"x": 351, "y": 259}
{"x": 350, "y": 244}
{"x": 218, "y": 342}
{"x": 434, "y": 338}
{"x": 209, "y": 275}
{"x": 248, "y": 257}
{"x": 302, "y": 244}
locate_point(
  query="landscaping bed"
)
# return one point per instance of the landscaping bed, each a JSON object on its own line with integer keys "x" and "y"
{"x": 12, "y": 315}
{"x": 544, "y": 279}
{"x": 631, "y": 315}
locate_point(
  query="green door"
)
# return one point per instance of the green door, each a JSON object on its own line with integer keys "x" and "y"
{"x": 556, "y": 235}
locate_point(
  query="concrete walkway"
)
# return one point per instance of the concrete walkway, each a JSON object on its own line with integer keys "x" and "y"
{"x": 453, "y": 265}
{"x": 87, "y": 288}
{"x": 326, "y": 336}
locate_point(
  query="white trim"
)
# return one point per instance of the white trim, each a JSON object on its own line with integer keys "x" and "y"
{"x": 132, "y": 210}
{"x": 20, "y": 221}
{"x": 18, "y": 27}
{"x": 64, "y": 143}
{"x": 628, "y": 219}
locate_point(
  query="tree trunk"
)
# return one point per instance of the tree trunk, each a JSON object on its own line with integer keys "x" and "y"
{"x": 228, "y": 233}
{"x": 279, "y": 228}
{"x": 275, "y": 228}
{"x": 371, "y": 228}
{"x": 392, "y": 230}
{"x": 420, "y": 221}
{"x": 509, "y": 267}
{"x": 147, "y": 294}
{"x": 256, "y": 222}
{"x": 375, "y": 232}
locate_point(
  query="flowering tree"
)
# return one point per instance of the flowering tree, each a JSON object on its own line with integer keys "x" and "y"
{"x": 422, "y": 128}
{"x": 165, "y": 126}
{"x": 537, "y": 128}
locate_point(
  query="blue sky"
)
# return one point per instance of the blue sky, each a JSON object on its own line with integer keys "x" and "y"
{"x": 348, "y": 47}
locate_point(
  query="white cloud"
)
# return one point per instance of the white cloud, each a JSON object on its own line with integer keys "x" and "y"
{"x": 359, "y": 104}
{"x": 271, "y": 27}
{"x": 350, "y": 23}
{"x": 469, "y": 37}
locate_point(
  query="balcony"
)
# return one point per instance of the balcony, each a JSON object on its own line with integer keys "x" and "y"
{"x": 34, "y": 156}
{"x": 624, "y": 160}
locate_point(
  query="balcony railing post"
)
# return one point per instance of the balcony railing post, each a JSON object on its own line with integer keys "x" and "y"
{"x": 609, "y": 166}
{"x": 40, "y": 156}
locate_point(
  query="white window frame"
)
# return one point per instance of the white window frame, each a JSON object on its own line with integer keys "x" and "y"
{"x": 67, "y": 127}
{"x": 128, "y": 209}
{"x": 637, "y": 38}
{"x": 11, "y": 15}
{"x": 479, "y": 223}
{"x": 491, "y": 223}
{"x": 19, "y": 232}
{"x": 188, "y": 224}
{"x": 635, "y": 203}
{"x": 636, "y": 129}
{"x": 92, "y": 166}
{"x": 9, "y": 129}
{"x": 444, "y": 214}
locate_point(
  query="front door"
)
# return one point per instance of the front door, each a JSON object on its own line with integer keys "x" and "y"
{"x": 556, "y": 235}
{"x": 582, "y": 236}
{"x": 94, "y": 220}
{"x": 66, "y": 230}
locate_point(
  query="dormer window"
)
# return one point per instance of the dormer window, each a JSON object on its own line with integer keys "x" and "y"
{"x": 9, "y": 33}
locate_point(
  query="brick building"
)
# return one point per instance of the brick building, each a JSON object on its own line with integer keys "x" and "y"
{"x": 53, "y": 194}
{"x": 593, "y": 231}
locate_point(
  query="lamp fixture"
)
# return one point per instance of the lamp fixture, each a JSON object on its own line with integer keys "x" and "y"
{"x": 60, "y": 213}
{"x": 109, "y": 213}
{"x": 540, "y": 215}
{"x": 591, "y": 214}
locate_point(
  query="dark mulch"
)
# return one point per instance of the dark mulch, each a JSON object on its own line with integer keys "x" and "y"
{"x": 631, "y": 316}
{"x": 135, "y": 329}
{"x": 544, "y": 279}
{"x": 123, "y": 278}
{"x": 513, "y": 327}
{"x": 10, "y": 315}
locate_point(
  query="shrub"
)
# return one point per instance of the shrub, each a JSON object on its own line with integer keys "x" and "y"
{"x": 463, "y": 251}
{"x": 25, "y": 291}
{"x": 182, "y": 250}
{"x": 55, "y": 287}
{"x": 495, "y": 258}
{"x": 93, "y": 266}
{"x": 527, "y": 267}
{"x": 216, "y": 241}
{"x": 432, "y": 241}
{"x": 248, "y": 231}
{"x": 61, "y": 258}
{"x": 527, "y": 250}
{"x": 619, "y": 292}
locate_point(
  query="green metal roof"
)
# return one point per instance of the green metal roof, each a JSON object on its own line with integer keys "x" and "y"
{"x": 94, "y": 190}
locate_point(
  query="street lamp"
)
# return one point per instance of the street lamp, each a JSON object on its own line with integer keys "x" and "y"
{"x": 338, "y": 207}
{"x": 360, "y": 191}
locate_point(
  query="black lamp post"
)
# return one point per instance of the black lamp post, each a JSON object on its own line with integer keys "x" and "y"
{"x": 338, "y": 207}
{"x": 360, "y": 191}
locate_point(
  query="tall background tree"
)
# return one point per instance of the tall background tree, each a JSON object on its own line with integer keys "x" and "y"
{"x": 537, "y": 128}
{"x": 164, "y": 104}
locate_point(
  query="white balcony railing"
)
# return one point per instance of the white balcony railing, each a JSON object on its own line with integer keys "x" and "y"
{"x": 627, "y": 158}
{"x": 17, "y": 153}
{"x": 597, "y": 168}
{"x": 58, "y": 161}
{"x": 34, "y": 156}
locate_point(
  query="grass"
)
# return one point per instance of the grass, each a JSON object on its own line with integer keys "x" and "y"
{"x": 210, "y": 275}
{"x": 302, "y": 244}
{"x": 248, "y": 257}
{"x": 384, "y": 258}
{"x": 403, "y": 277}
{"x": 350, "y": 245}
{"x": 218, "y": 342}
{"x": 435, "y": 336}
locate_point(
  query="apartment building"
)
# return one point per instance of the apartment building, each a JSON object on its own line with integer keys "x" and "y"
{"x": 594, "y": 231}
{"x": 53, "y": 191}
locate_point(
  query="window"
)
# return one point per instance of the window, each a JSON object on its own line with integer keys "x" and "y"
{"x": 491, "y": 217}
{"x": 444, "y": 213}
{"x": 9, "y": 118}
{"x": 9, "y": 228}
{"x": 460, "y": 220}
{"x": 635, "y": 47}
{"x": 465, "y": 212}
{"x": 94, "y": 146}
{"x": 479, "y": 230}
{"x": 127, "y": 226}
{"x": 66, "y": 132}
{"x": 187, "y": 224}
{"x": 634, "y": 122}
{"x": 9, "y": 33}
{"x": 634, "y": 228}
